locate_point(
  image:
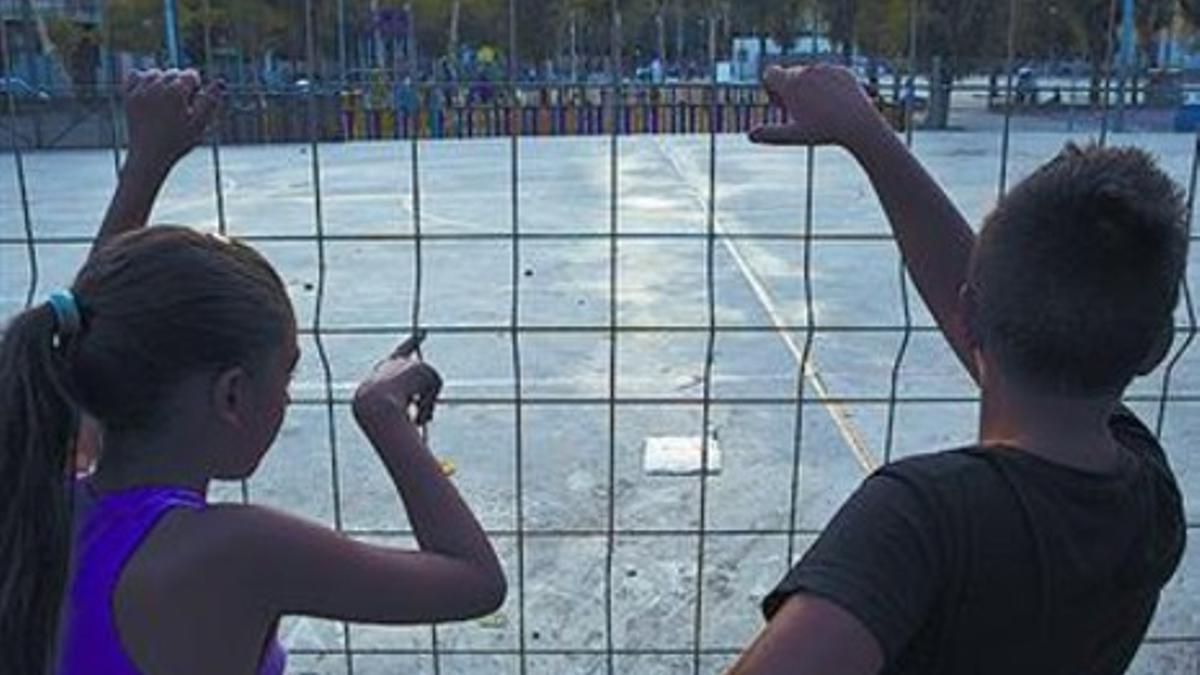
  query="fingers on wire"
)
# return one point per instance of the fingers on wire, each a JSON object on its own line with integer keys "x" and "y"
{"x": 139, "y": 82}
{"x": 410, "y": 345}
{"x": 779, "y": 134}
{"x": 427, "y": 399}
{"x": 187, "y": 83}
{"x": 204, "y": 106}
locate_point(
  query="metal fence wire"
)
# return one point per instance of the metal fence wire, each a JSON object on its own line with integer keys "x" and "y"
{"x": 614, "y": 651}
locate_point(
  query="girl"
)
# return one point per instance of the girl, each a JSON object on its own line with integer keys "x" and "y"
{"x": 180, "y": 345}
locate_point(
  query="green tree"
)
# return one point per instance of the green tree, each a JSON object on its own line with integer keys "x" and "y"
{"x": 135, "y": 25}
{"x": 1191, "y": 11}
{"x": 778, "y": 20}
{"x": 881, "y": 27}
{"x": 1044, "y": 30}
{"x": 952, "y": 42}
{"x": 1099, "y": 25}
{"x": 841, "y": 17}
{"x": 77, "y": 46}
{"x": 787, "y": 18}
{"x": 256, "y": 30}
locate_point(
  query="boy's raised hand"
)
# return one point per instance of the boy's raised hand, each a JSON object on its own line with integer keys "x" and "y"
{"x": 168, "y": 112}
{"x": 824, "y": 105}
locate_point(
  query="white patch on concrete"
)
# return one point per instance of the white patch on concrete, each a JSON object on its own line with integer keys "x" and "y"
{"x": 680, "y": 456}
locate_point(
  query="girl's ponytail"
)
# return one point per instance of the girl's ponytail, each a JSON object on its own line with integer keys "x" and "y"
{"x": 38, "y": 421}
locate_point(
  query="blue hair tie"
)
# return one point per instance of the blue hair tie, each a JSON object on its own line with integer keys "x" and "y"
{"x": 67, "y": 318}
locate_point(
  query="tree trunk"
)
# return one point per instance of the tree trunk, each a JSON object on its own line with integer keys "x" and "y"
{"x": 848, "y": 17}
{"x": 939, "y": 106}
{"x": 660, "y": 24}
{"x": 52, "y": 53}
{"x": 816, "y": 29}
{"x": 679, "y": 30}
{"x": 574, "y": 48}
{"x": 452, "y": 39}
{"x": 1096, "y": 60}
{"x": 376, "y": 36}
{"x": 942, "y": 84}
{"x": 412, "y": 58}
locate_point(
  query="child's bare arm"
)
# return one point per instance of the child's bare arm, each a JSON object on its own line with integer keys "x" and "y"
{"x": 302, "y": 568}
{"x": 811, "y": 635}
{"x": 826, "y": 105}
{"x": 167, "y": 114}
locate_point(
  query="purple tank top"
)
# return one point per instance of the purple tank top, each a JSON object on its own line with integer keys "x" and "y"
{"x": 108, "y": 529}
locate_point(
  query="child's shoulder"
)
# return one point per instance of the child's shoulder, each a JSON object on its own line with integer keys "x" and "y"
{"x": 233, "y": 544}
{"x": 236, "y": 520}
{"x": 942, "y": 481}
{"x": 938, "y": 466}
{"x": 983, "y": 460}
{"x": 231, "y": 530}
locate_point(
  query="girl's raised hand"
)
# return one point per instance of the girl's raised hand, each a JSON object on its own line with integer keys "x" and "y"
{"x": 399, "y": 383}
{"x": 168, "y": 113}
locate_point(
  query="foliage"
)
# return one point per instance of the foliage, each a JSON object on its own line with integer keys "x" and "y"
{"x": 955, "y": 36}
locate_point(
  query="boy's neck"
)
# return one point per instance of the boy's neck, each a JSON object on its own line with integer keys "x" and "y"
{"x": 1070, "y": 431}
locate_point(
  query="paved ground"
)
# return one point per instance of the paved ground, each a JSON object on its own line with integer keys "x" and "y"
{"x": 564, "y": 188}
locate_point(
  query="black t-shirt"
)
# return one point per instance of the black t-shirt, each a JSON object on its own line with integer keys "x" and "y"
{"x": 991, "y": 560}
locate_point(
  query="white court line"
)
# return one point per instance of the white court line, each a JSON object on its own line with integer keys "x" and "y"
{"x": 638, "y": 386}
{"x": 841, "y": 418}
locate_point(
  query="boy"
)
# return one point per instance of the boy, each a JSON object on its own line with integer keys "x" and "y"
{"x": 1043, "y": 547}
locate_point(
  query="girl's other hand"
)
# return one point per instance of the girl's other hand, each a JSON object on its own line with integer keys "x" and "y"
{"x": 400, "y": 383}
{"x": 168, "y": 113}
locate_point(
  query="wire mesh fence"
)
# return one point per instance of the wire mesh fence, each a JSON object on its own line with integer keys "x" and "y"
{"x": 582, "y": 295}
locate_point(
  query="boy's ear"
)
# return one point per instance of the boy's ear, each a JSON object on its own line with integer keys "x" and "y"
{"x": 1160, "y": 348}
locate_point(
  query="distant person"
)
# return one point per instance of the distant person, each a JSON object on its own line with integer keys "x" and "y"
{"x": 1026, "y": 87}
{"x": 181, "y": 345}
{"x": 404, "y": 96}
{"x": 1043, "y": 546}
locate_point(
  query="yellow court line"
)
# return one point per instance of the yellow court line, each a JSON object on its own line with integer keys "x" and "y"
{"x": 837, "y": 412}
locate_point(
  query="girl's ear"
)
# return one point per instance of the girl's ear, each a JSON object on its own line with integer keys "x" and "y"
{"x": 230, "y": 395}
{"x": 89, "y": 443}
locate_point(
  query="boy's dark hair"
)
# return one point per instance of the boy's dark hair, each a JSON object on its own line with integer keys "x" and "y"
{"x": 1077, "y": 271}
{"x": 157, "y": 305}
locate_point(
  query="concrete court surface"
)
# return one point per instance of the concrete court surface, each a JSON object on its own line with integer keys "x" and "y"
{"x": 564, "y": 187}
